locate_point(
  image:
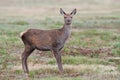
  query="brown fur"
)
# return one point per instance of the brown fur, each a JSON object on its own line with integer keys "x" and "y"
{"x": 46, "y": 40}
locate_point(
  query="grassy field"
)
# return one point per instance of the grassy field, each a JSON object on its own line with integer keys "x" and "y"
{"x": 91, "y": 53}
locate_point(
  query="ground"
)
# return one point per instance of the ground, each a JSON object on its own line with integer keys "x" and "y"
{"x": 91, "y": 53}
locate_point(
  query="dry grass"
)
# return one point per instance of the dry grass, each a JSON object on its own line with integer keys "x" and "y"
{"x": 84, "y": 71}
{"x": 95, "y": 26}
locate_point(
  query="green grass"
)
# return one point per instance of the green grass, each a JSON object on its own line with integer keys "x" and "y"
{"x": 96, "y": 25}
{"x": 76, "y": 60}
{"x": 91, "y": 38}
{"x": 119, "y": 67}
{"x": 20, "y": 23}
{"x": 62, "y": 78}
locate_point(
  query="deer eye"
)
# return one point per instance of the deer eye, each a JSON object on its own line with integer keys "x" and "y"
{"x": 70, "y": 17}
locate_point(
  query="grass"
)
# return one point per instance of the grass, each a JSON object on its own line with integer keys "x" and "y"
{"x": 96, "y": 25}
{"x": 76, "y": 60}
{"x": 92, "y": 37}
{"x": 20, "y": 23}
{"x": 58, "y": 78}
{"x": 119, "y": 67}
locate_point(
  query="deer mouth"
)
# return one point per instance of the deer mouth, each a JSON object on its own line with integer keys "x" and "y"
{"x": 69, "y": 22}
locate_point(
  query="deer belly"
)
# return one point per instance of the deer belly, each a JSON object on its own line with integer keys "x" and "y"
{"x": 44, "y": 48}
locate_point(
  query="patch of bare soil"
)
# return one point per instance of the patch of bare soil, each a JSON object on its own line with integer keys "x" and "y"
{"x": 90, "y": 51}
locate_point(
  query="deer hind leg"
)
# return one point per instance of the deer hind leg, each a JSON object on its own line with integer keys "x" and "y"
{"x": 25, "y": 55}
{"x": 57, "y": 55}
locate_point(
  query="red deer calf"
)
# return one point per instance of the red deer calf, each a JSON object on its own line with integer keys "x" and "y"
{"x": 47, "y": 40}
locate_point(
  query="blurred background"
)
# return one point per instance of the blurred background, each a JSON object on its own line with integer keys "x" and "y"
{"x": 91, "y": 53}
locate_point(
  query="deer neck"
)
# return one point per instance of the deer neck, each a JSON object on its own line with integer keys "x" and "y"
{"x": 66, "y": 30}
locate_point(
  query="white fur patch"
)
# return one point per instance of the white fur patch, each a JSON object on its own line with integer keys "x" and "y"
{"x": 22, "y": 33}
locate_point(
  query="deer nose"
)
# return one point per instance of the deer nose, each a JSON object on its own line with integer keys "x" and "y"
{"x": 68, "y": 20}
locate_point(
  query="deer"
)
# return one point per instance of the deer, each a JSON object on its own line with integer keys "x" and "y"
{"x": 47, "y": 40}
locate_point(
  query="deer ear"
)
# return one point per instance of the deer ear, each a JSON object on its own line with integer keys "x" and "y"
{"x": 73, "y": 12}
{"x": 62, "y": 12}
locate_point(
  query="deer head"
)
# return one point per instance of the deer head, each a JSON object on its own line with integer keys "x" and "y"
{"x": 68, "y": 17}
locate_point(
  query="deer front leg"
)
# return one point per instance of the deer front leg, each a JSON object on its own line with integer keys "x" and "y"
{"x": 25, "y": 55}
{"x": 58, "y": 59}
